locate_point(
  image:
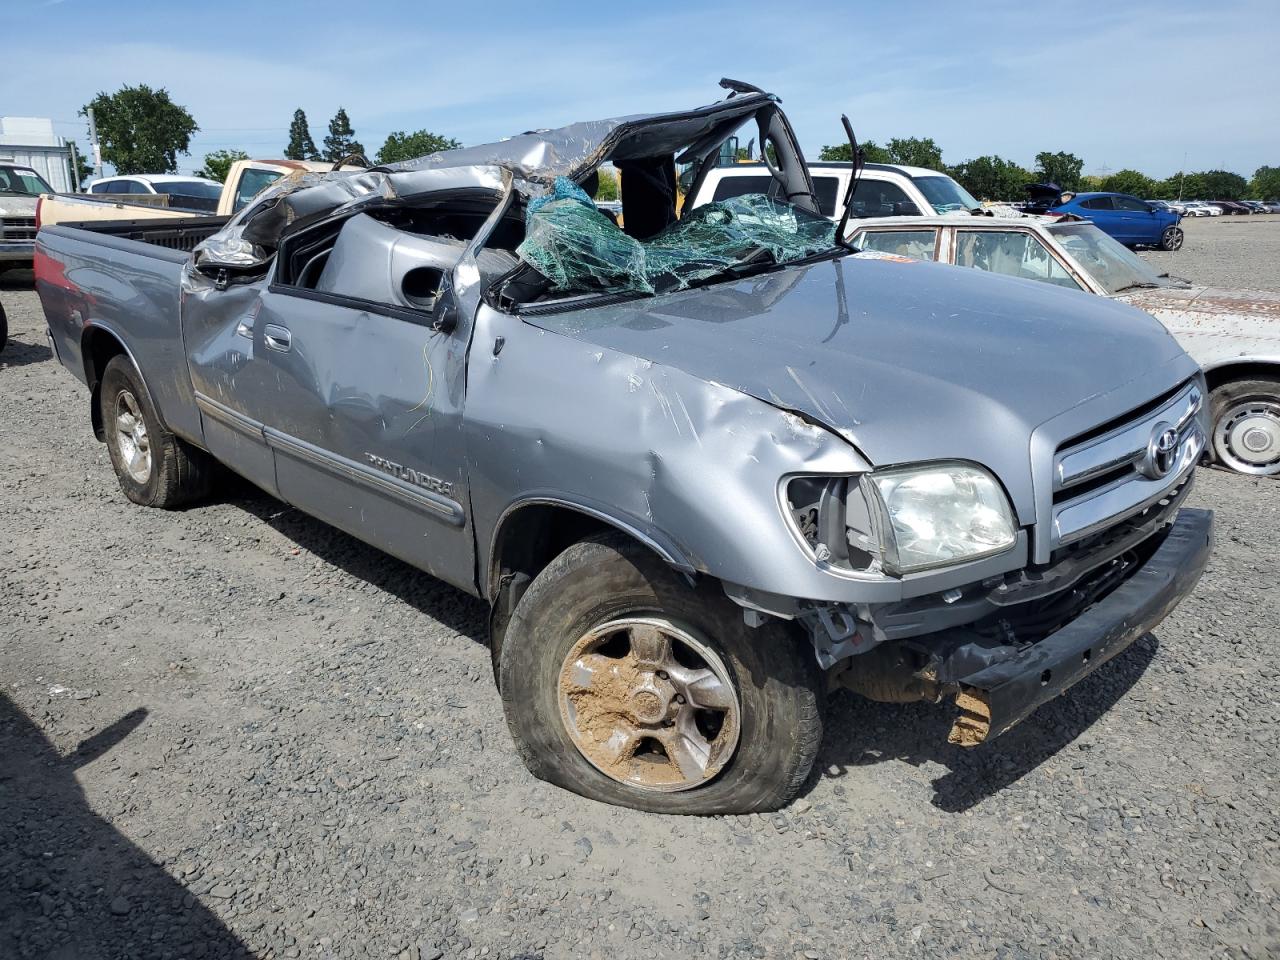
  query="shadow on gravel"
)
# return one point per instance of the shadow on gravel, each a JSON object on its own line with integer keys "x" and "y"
{"x": 19, "y": 354}
{"x": 71, "y": 886}
{"x": 861, "y": 732}
{"x": 458, "y": 611}
{"x": 17, "y": 280}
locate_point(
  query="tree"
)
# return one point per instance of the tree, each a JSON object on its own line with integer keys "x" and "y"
{"x": 301, "y": 146}
{"x": 409, "y": 146}
{"x": 141, "y": 130}
{"x": 916, "y": 152}
{"x": 1132, "y": 182}
{"x": 1223, "y": 185}
{"x": 608, "y": 189}
{"x": 843, "y": 153}
{"x": 992, "y": 178}
{"x": 1265, "y": 184}
{"x": 341, "y": 141}
{"x": 1060, "y": 168}
{"x": 218, "y": 164}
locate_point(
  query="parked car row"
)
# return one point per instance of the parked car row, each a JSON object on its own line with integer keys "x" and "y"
{"x": 1216, "y": 208}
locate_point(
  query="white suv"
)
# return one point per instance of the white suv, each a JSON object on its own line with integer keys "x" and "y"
{"x": 884, "y": 190}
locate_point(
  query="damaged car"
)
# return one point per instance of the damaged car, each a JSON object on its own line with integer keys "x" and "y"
{"x": 703, "y": 469}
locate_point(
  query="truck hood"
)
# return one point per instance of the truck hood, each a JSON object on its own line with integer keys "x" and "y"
{"x": 13, "y": 206}
{"x": 906, "y": 360}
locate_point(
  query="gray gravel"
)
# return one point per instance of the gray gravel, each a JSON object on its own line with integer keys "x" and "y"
{"x": 233, "y": 730}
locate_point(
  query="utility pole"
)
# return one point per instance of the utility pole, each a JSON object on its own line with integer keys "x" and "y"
{"x": 75, "y": 168}
{"x": 93, "y": 143}
{"x": 1182, "y": 173}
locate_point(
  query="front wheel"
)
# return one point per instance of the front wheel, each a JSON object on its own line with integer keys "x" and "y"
{"x": 1171, "y": 239}
{"x": 1246, "y": 426}
{"x": 154, "y": 467}
{"x": 622, "y": 683}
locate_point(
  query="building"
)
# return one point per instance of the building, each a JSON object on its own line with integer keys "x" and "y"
{"x": 31, "y": 142}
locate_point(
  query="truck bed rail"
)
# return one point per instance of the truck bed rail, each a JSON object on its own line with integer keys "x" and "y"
{"x": 180, "y": 234}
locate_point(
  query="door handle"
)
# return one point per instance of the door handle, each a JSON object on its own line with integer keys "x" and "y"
{"x": 277, "y": 337}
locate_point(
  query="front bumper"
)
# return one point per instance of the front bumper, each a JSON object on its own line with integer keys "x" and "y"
{"x": 997, "y": 697}
{"x": 20, "y": 251}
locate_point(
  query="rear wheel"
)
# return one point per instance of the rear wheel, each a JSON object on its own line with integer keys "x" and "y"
{"x": 622, "y": 683}
{"x": 154, "y": 467}
{"x": 1171, "y": 239}
{"x": 1246, "y": 426}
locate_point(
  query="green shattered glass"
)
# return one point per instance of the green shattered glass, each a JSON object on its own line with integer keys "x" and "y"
{"x": 579, "y": 249}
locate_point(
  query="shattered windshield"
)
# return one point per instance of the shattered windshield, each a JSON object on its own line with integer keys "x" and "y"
{"x": 23, "y": 182}
{"x": 1113, "y": 265}
{"x": 945, "y": 195}
{"x": 580, "y": 250}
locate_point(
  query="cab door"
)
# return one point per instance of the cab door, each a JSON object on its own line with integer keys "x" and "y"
{"x": 363, "y": 389}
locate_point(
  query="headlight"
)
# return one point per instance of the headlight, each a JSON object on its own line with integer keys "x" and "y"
{"x": 940, "y": 514}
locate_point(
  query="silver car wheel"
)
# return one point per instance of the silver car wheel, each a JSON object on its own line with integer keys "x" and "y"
{"x": 131, "y": 437}
{"x": 1248, "y": 436}
{"x": 649, "y": 704}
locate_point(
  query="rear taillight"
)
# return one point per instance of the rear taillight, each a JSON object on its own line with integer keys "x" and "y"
{"x": 39, "y": 204}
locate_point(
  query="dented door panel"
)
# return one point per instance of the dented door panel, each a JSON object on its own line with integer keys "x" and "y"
{"x": 362, "y": 413}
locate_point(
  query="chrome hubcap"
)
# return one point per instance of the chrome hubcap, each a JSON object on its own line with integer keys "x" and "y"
{"x": 131, "y": 437}
{"x": 1248, "y": 436}
{"x": 649, "y": 704}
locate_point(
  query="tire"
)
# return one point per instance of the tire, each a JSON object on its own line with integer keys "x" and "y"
{"x": 1246, "y": 426}
{"x": 154, "y": 467}
{"x": 774, "y": 685}
{"x": 1171, "y": 239}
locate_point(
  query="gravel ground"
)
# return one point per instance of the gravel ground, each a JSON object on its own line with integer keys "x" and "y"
{"x": 232, "y": 730}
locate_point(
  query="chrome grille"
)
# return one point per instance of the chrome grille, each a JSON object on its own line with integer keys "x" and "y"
{"x": 17, "y": 228}
{"x": 1108, "y": 477}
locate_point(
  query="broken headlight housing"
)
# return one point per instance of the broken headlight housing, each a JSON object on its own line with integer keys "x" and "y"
{"x": 905, "y": 519}
{"x": 939, "y": 514}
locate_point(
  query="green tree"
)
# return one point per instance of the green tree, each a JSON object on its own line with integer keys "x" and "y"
{"x": 1265, "y": 184}
{"x": 1181, "y": 185}
{"x": 608, "y": 189}
{"x": 1223, "y": 185}
{"x": 1060, "y": 168}
{"x": 218, "y": 164}
{"x": 301, "y": 146}
{"x": 341, "y": 141}
{"x": 410, "y": 146}
{"x": 992, "y": 178}
{"x": 141, "y": 130}
{"x": 842, "y": 153}
{"x": 916, "y": 152}
{"x": 1131, "y": 182}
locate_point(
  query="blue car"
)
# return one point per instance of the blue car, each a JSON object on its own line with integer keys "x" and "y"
{"x": 1132, "y": 221}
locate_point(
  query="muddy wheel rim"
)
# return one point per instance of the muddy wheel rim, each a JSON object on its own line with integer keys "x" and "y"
{"x": 1248, "y": 436}
{"x": 131, "y": 437}
{"x": 649, "y": 704}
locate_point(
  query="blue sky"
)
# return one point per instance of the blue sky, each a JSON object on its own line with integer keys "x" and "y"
{"x": 1121, "y": 84}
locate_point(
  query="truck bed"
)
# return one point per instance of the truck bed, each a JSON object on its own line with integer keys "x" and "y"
{"x": 175, "y": 234}
{"x": 122, "y": 280}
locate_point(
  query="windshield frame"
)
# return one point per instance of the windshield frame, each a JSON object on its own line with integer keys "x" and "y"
{"x": 25, "y": 170}
{"x": 944, "y": 208}
{"x": 1123, "y": 270}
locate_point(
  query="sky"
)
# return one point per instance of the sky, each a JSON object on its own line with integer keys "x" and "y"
{"x": 1144, "y": 85}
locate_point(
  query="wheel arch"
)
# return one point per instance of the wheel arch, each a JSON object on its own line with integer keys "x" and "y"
{"x": 532, "y": 532}
{"x": 98, "y": 345}
{"x": 1244, "y": 368}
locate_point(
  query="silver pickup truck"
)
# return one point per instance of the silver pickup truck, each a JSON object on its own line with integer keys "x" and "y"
{"x": 703, "y": 468}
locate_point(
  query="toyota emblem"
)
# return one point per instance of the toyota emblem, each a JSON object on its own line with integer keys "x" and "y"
{"x": 1162, "y": 452}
